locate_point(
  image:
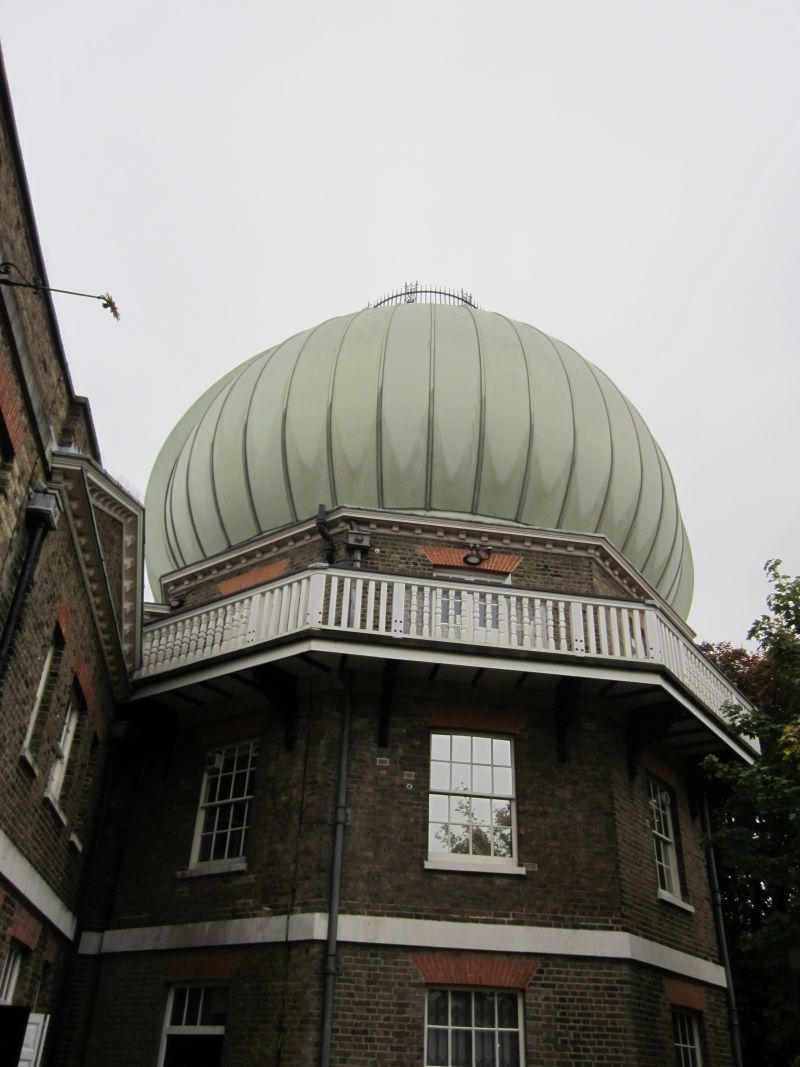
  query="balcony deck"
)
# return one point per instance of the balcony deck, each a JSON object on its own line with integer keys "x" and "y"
{"x": 469, "y": 616}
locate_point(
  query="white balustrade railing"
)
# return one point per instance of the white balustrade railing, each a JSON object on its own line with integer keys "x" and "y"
{"x": 441, "y": 611}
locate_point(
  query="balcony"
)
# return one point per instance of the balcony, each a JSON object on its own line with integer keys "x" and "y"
{"x": 358, "y": 604}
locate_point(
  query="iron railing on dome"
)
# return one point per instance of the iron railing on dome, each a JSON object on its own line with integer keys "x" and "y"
{"x": 414, "y": 293}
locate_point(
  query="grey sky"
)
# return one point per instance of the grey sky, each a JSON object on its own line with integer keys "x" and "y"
{"x": 623, "y": 175}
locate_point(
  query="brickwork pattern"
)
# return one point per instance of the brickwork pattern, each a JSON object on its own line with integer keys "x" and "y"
{"x": 554, "y": 570}
{"x": 25, "y": 815}
{"x": 576, "y": 1013}
{"x": 38, "y": 410}
{"x": 583, "y": 825}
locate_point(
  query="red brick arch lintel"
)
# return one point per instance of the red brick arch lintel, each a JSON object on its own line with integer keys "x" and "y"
{"x": 489, "y": 972}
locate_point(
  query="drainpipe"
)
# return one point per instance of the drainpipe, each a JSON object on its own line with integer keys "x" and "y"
{"x": 332, "y": 966}
{"x": 324, "y": 532}
{"x": 716, "y": 903}
{"x": 41, "y": 514}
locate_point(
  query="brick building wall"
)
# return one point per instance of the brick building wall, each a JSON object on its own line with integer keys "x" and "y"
{"x": 583, "y": 834}
{"x": 545, "y": 567}
{"x": 44, "y": 749}
{"x": 583, "y": 825}
{"x": 575, "y": 1013}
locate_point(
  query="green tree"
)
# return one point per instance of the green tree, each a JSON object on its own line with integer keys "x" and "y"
{"x": 756, "y": 829}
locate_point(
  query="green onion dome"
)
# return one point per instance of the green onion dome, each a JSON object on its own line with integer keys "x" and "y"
{"x": 418, "y": 407}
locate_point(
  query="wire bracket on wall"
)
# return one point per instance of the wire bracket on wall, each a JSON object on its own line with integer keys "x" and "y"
{"x": 38, "y": 286}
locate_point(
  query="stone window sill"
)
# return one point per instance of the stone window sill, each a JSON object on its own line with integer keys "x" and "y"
{"x": 26, "y": 756}
{"x": 216, "y": 867}
{"x": 676, "y": 902}
{"x": 473, "y": 868}
{"x": 56, "y": 807}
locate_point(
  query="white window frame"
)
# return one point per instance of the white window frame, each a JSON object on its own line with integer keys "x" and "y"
{"x": 184, "y": 1028}
{"x": 62, "y": 752}
{"x": 25, "y": 751}
{"x": 686, "y": 1038}
{"x": 10, "y": 974}
{"x": 490, "y": 789}
{"x": 663, "y": 830}
{"x": 214, "y": 762}
{"x": 472, "y": 1028}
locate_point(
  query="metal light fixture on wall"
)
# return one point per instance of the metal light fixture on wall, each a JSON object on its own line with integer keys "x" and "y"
{"x": 476, "y": 555}
{"x": 38, "y": 286}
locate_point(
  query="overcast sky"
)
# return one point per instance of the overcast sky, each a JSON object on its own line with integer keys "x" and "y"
{"x": 623, "y": 175}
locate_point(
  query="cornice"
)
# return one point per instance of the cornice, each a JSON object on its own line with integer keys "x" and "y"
{"x": 439, "y": 528}
{"x": 87, "y": 489}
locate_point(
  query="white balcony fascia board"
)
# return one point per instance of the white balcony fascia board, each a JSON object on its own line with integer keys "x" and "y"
{"x": 413, "y": 649}
{"x": 222, "y": 665}
{"x": 409, "y": 933}
{"x": 747, "y": 752}
{"x": 392, "y": 648}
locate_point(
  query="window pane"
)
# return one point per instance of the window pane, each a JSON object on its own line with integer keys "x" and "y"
{"x": 502, "y": 781}
{"x": 462, "y": 749}
{"x": 481, "y": 750}
{"x": 507, "y": 1009}
{"x": 484, "y": 1048}
{"x": 438, "y": 837}
{"x": 440, "y": 747}
{"x": 484, "y": 1009}
{"x": 437, "y": 1007}
{"x": 459, "y": 840}
{"x": 481, "y": 842}
{"x": 502, "y": 844}
{"x": 460, "y": 778}
{"x": 193, "y": 997}
{"x": 501, "y": 752}
{"x": 461, "y": 1048}
{"x": 440, "y": 776}
{"x": 438, "y": 807}
{"x": 437, "y": 1048}
{"x": 508, "y": 1047}
{"x": 482, "y": 779}
{"x": 482, "y": 811}
{"x": 178, "y": 1005}
{"x": 460, "y": 1014}
{"x": 235, "y": 844}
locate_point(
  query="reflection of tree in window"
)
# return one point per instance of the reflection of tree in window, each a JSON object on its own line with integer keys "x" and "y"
{"x": 471, "y": 802}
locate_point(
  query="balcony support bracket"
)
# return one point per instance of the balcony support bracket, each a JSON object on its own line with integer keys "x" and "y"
{"x": 566, "y": 697}
{"x": 388, "y": 681}
{"x": 644, "y": 727}
{"x": 279, "y": 689}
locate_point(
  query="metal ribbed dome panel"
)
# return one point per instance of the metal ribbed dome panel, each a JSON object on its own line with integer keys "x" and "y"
{"x": 418, "y": 407}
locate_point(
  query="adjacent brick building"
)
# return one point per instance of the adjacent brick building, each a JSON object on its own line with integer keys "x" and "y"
{"x": 403, "y": 766}
{"x": 70, "y": 618}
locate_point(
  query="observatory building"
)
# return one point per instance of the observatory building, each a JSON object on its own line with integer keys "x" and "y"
{"x": 401, "y": 767}
{"x": 410, "y": 774}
